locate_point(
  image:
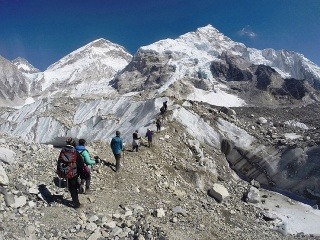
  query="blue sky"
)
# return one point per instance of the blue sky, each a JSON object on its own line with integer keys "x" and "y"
{"x": 43, "y": 31}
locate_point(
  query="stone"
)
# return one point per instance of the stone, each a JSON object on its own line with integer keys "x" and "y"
{"x": 262, "y": 120}
{"x": 20, "y": 201}
{"x": 7, "y": 156}
{"x": 160, "y": 213}
{"x": 179, "y": 210}
{"x": 218, "y": 192}
{"x": 116, "y": 231}
{"x": 95, "y": 235}
{"x": 110, "y": 225}
{"x": 253, "y": 195}
{"x": 9, "y": 199}
{"x": 4, "y": 180}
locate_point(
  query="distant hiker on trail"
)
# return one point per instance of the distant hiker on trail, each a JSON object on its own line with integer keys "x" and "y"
{"x": 149, "y": 136}
{"x": 158, "y": 124}
{"x": 135, "y": 141}
{"x": 88, "y": 162}
{"x": 162, "y": 110}
{"x": 165, "y": 106}
{"x": 117, "y": 148}
{"x": 70, "y": 166}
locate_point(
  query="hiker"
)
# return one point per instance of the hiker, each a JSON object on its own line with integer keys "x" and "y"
{"x": 158, "y": 124}
{"x": 162, "y": 110}
{"x": 88, "y": 162}
{"x": 149, "y": 136}
{"x": 165, "y": 106}
{"x": 135, "y": 141}
{"x": 117, "y": 148}
{"x": 71, "y": 166}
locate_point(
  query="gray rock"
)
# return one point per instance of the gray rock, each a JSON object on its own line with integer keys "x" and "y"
{"x": 7, "y": 155}
{"x": 9, "y": 199}
{"x": 253, "y": 195}
{"x": 179, "y": 210}
{"x": 4, "y": 180}
{"x": 219, "y": 192}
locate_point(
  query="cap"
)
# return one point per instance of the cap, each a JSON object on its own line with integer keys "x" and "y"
{"x": 70, "y": 141}
{"x": 118, "y": 133}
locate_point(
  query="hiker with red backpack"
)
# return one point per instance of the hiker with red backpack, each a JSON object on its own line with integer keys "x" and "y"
{"x": 70, "y": 166}
{"x": 88, "y": 166}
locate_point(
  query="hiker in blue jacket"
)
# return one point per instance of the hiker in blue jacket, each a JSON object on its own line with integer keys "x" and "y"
{"x": 88, "y": 161}
{"x": 117, "y": 148}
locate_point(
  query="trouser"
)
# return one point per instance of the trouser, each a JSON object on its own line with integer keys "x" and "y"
{"x": 158, "y": 128}
{"x": 136, "y": 147}
{"x": 87, "y": 181}
{"x": 117, "y": 157}
{"x": 73, "y": 189}
{"x": 149, "y": 143}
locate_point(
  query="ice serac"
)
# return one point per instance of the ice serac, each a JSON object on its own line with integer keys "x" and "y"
{"x": 85, "y": 71}
{"x": 13, "y": 84}
{"x": 208, "y": 62}
{"x": 24, "y": 66}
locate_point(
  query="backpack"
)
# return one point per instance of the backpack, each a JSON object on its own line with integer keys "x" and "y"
{"x": 86, "y": 170}
{"x": 67, "y": 163}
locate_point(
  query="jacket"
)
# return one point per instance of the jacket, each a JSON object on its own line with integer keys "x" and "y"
{"x": 116, "y": 145}
{"x": 149, "y": 135}
{"x": 86, "y": 156}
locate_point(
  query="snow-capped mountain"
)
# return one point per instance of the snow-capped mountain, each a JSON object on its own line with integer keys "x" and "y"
{"x": 207, "y": 62}
{"x": 24, "y": 66}
{"x": 85, "y": 71}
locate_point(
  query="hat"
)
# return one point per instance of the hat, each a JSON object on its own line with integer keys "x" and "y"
{"x": 117, "y": 133}
{"x": 82, "y": 141}
{"x": 70, "y": 141}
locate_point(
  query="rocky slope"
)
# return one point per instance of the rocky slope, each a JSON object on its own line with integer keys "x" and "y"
{"x": 13, "y": 84}
{"x": 163, "y": 192}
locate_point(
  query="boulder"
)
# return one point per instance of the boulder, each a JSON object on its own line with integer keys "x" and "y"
{"x": 7, "y": 155}
{"x": 218, "y": 192}
{"x": 4, "y": 180}
{"x": 253, "y": 195}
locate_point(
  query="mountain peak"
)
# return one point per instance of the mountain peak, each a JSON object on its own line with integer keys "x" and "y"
{"x": 24, "y": 66}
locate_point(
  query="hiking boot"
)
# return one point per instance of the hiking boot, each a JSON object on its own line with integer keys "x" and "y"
{"x": 78, "y": 206}
{"x": 81, "y": 189}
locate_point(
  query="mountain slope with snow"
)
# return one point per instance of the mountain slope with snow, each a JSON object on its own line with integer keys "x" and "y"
{"x": 13, "y": 84}
{"x": 180, "y": 67}
{"x": 85, "y": 71}
{"x": 24, "y": 66}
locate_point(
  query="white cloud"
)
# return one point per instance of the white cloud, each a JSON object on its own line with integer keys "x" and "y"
{"x": 246, "y": 31}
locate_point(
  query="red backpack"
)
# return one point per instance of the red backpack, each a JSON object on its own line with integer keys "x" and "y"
{"x": 67, "y": 163}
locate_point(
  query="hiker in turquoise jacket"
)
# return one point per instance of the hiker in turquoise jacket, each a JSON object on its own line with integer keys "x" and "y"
{"x": 88, "y": 161}
{"x": 117, "y": 148}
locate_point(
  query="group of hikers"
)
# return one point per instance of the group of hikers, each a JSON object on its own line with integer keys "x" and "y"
{"x": 75, "y": 164}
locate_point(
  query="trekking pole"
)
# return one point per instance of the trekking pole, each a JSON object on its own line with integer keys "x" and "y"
{"x": 67, "y": 184}
{"x": 123, "y": 157}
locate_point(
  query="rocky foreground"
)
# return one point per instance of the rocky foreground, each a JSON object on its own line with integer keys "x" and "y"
{"x": 178, "y": 189}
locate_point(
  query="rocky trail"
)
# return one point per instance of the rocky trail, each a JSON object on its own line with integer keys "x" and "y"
{"x": 162, "y": 192}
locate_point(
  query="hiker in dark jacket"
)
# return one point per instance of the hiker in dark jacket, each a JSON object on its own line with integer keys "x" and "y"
{"x": 117, "y": 148}
{"x": 158, "y": 124}
{"x": 165, "y": 105}
{"x": 77, "y": 171}
{"x": 135, "y": 141}
{"x": 88, "y": 162}
{"x": 149, "y": 136}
